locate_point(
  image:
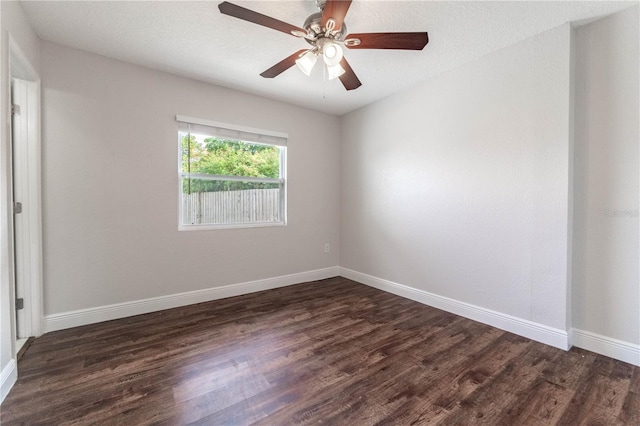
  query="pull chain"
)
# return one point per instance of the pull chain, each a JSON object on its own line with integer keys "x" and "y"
{"x": 324, "y": 82}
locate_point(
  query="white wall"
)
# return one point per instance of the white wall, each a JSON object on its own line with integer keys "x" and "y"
{"x": 606, "y": 298}
{"x": 110, "y": 200}
{"x": 459, "y": 187}
{"x": 14, "y": 25}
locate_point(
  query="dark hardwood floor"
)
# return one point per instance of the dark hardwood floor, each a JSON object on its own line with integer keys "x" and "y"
{"x": 330, "y": 352}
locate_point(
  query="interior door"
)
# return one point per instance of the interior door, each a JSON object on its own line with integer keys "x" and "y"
{"x": 20, "y": 189}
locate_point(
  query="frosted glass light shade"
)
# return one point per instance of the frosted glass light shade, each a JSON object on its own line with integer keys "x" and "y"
{"x": 306, "y": 62}
{"x": 332, "y": 54}
{"x": 334, "y": 71}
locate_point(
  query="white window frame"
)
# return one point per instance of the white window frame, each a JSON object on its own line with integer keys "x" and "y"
{"x": 258, "y": 137}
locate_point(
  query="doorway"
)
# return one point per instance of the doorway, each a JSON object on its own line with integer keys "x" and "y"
{"x": 25, "y": 205}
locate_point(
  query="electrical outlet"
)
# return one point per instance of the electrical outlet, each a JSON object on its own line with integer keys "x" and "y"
{"x": 326, "y": 248}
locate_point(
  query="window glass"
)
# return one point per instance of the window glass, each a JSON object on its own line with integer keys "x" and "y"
{"x": 228, "y": 182}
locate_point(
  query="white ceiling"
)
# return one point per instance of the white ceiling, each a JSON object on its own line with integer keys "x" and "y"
{"x": 194, "y": 39}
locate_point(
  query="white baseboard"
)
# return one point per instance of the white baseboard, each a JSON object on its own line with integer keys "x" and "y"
{"x": 617, "y": 349}
{"x": 126, "y": 309}
{"x": 529, "y": 329}
{"x": 8, "y": 378}
{"x": 613, "y": 348}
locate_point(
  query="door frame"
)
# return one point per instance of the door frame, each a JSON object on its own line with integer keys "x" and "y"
{"x": 30, "y": 232}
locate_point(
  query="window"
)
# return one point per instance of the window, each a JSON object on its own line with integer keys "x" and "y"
{"x": 230, "y": 176}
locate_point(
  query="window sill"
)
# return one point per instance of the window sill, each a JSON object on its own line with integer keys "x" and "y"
{"x": 211, "y": 227}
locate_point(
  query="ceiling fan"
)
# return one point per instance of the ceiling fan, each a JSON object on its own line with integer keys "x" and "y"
{"x": 326, "y": 31}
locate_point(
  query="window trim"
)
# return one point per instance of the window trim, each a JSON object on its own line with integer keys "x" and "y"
{"x": 255, "y": 136}
{"x": 241, "y": 129}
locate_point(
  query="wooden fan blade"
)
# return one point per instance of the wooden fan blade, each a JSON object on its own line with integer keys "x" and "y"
{"x": 336, "y": 10}
{"x": 283, "y": 65}
{"x": 257, "y": 18}
{"x": 349, "y": 79}
{"x": 404, "y": 41}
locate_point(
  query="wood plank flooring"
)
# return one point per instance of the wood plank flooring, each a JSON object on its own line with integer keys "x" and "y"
{"x": 331, "y": 352}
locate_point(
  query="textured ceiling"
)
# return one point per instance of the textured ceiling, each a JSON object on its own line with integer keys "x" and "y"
{"x": 194, "y": 39}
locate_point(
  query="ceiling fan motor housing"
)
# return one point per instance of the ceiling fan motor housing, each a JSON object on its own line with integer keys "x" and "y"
{"x": 315, "y": 30}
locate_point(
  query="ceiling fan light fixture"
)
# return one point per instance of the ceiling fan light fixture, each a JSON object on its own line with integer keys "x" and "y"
{"x": 334, "y": 71}
{"x": 307, "y": 61}
{"x": 332, "y": 54}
